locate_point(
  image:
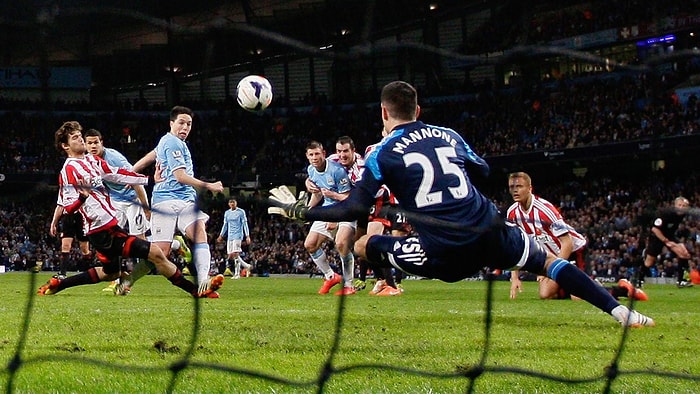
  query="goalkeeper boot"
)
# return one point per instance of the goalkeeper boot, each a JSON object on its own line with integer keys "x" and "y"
{"x": 629, "y": 318}
{"x": 50, "y": 287}
{"x": 329, "y": 283}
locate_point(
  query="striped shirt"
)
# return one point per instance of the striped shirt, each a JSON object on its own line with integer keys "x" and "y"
{"x": 543, "y": 221}
{"x": 354, "y": 171}
{"x": 97, "y": 211}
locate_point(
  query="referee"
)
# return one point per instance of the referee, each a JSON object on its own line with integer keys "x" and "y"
{"x": 663, "y": 233}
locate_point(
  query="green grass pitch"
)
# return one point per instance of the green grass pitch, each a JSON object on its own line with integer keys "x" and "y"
{"x": 275, "y": 335}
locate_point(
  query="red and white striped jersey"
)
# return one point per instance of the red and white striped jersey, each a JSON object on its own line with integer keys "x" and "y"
{"x": 97, "y": 211}
{"x": 370, "y": 148}
{"x": 543, "y": 221}
{"x": 355, "y": 171}
{"x": 386, "y": 196}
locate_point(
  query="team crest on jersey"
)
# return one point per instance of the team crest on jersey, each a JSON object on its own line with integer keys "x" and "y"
{"x": 558, "y": 226}
{"x": 330, "y": 181}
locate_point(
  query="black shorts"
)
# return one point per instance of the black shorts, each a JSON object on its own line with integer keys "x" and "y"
{"x": 115, "y": 242}
{"x": 654, "y": 246}
{"x": 71, "y": 226}
{"x": 392, "y": 220}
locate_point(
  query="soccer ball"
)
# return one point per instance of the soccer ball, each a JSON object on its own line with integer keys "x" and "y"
{"x": 254, "y": 93}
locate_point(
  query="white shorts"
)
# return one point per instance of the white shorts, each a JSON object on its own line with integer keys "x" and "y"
{"x": 167, "y": 216}
{"x": 131, "y": 217}
{"x": 321, "y": 228}
{"x": 233, "y": 246}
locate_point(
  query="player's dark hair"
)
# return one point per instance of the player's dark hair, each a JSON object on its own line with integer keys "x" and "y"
{"x": 314, "y": 145}
{"x": 346, "y": 140}
{"x": 63, "y": 132}
{"x": 179, "y": 110}
{"x": 93, "y": 133}
{"x": 232, "y": 199}
{"x": 400, "y": 100}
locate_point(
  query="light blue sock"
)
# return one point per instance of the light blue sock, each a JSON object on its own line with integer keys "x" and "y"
{"x": 319, "y": 257}
{"x": 201, "y": 256}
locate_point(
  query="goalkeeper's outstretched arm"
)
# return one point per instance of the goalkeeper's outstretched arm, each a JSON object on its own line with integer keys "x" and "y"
{"x": 354, "y": 207}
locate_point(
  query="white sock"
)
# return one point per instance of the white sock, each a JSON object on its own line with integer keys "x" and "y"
{"x": 243, "y": 263}
{"x": 348, "y": 269}
{"x": 201, "y": 256}
{"x": 319, "y": 257}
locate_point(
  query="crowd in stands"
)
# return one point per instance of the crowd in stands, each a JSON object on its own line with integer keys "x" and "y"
{"x": 568, "y": 113}
{"x": 614, "y": 214}
{"x": 523, "y": 23}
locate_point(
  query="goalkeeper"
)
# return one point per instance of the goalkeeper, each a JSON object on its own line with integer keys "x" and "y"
{"x": 459, "y": 229}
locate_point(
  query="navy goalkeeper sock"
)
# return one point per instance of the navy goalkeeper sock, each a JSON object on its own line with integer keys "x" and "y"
{"x": 577, "y": 283}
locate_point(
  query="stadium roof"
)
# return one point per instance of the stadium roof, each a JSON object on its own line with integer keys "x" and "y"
{"x": 132, "y": 41}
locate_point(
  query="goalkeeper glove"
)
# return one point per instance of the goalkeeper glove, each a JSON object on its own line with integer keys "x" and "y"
{"x": 285, "y": 204}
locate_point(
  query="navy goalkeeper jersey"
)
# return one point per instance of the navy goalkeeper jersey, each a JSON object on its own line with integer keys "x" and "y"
{"x": 426, "y": 168}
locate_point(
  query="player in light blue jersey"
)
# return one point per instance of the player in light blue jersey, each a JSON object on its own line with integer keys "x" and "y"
{"x": 332, "y": 184}
{"x": 173, "y": 201}
{"x": 459, "y": 230}
{"x": 130, "y": 203}
{"x": 235, "y": 231}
